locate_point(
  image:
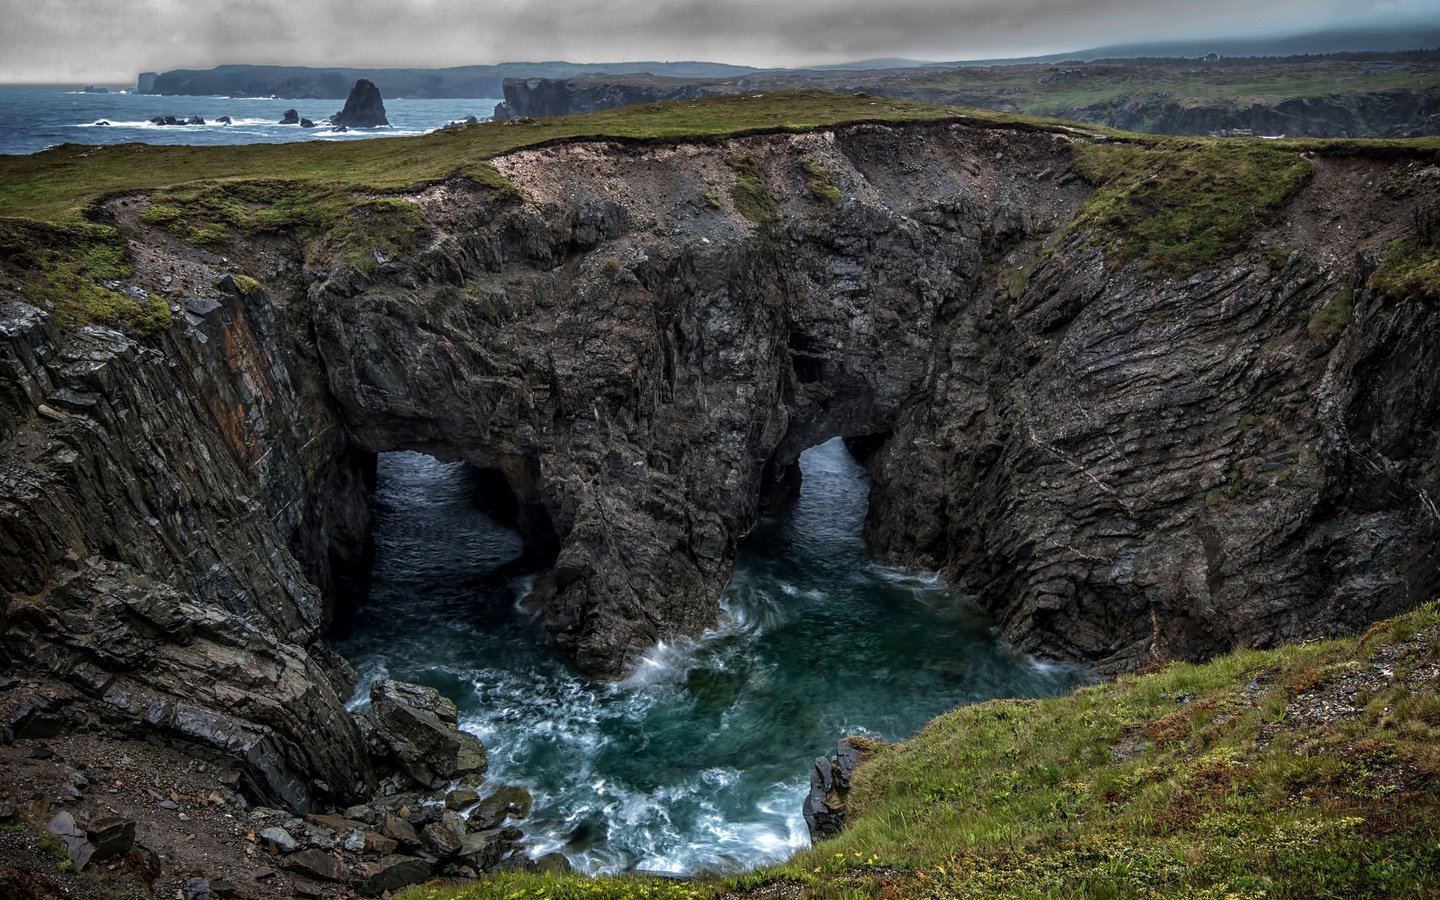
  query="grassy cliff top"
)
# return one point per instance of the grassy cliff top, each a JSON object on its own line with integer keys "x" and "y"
{"x": 60, "y": 184}
{"x": 1178, "y": 205}
{"x": 1309, "y": 771}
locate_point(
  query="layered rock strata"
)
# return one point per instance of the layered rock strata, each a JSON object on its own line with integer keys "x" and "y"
{"x": 1119, "y": 468}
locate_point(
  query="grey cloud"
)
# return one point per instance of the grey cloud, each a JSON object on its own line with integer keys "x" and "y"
{"x": 109, "y": 40}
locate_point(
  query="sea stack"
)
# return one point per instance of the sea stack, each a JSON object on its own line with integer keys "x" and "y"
{"x": 363, "y": 108}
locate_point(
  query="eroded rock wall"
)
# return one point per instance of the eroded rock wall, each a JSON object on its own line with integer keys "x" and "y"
{"x": 167, "y": 508}
{"x": 1119, "y": 468}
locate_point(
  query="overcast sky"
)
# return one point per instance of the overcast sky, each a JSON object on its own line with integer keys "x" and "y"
{"x": 112, "y": 40}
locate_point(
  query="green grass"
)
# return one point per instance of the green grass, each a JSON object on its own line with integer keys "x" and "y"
{"x": 61, "y": 184}
{"x": 1191, "y": 781}
{"x": 1410, "y": 269}
{"x": 820, "y": 185}
{"x": 1179, "y": 206}
{"x": 1334, "y": 317}
{"x": 64, "y": 268}
{"x": 749, "y": 193}
{"x": 1044, "y": 92}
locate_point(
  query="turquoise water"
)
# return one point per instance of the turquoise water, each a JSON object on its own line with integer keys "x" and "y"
{"x": 33, "y": 118}
{"x": 699, "y": 761}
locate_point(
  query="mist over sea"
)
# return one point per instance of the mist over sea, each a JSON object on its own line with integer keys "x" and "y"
{"x": 34, "y": 118}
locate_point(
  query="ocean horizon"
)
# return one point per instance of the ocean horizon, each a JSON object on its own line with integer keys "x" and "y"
{"x": 36, "y": 117}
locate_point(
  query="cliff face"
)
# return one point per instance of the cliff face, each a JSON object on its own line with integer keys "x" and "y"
{"x": 168, "y": 510}
{"x": 1120, "y": 468}
{"x": 1398, "y": 112}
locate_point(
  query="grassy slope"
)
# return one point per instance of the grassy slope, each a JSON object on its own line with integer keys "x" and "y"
{"x": 1301, "y": 772}
{"x": 59, "y": 185}
{"x": 1039, "y": 91}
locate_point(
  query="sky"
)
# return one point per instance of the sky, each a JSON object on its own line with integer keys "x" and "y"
{"x": 109, "y": 41}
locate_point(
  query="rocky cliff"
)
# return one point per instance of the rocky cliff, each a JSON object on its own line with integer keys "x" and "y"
{"x": 1121, "y": 465}
{"x": 1380, "y": 96}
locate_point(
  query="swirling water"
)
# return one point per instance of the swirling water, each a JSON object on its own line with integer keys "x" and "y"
{"x": 700, "y": 760}
{"x": 33, "y": 118}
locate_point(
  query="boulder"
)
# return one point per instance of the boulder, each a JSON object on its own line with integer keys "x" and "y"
{"x": 77, "y": 843}
{"x": 441, "y": 838}
{"x": 399, "y": 830}
{"x": 507, "y": 802}
{"x": 316, "y": 864}
{"x": 225, "y": 120}
{"x": 112, "y": 836}
{"x": 306, "y": 123}
{"x": 194, "y": 120}
{"x": 481, "y": 850}
{"x": 390, "y": 873}
{"x": 363, "y": 108}
{"x": 460, "y": 798}
{"x": 281, "y": 838}
{"x": 291, "y": 117}
{"x": 554, "y": 864}
{"x": 417, "y": 725}
{"x": 379, "y": 844}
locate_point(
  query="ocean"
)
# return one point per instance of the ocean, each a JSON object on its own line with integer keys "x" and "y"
{"x": 34, "y": 118}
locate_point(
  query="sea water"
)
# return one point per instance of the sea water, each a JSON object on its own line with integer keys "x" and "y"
{"x": 699, "y": 761}
{"x": 33, "y": 118}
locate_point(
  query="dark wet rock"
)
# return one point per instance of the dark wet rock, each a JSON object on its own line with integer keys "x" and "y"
{"x": 379, "y": 844}
{"x": 225, "y": 120}
{"x": 461, "y": 798}
{"x": 509, "y": 801}
{"x": 102, "y": 122}
{"x": 316, "y": 864}
{"x": 37, "y": 717}
{"x": 112, "y": 836}
{"x": 283, "y": 840}
{"x": 481, "y": 849}
{"x": 417, "y": 724}
{"x": 290, "y": 117}
{"x": 400, "y": 830}
{"x": 554, "y": 864}
{"x": 333, "y": 823}
{"x": 306, "y": 123}
{"x": 847, "y": 758}
{"x": 441, "y": 838}
{"x": 1118, "y": 467}
{"x": 363, "y": 108}
{"x": 197, "y": 889}
{"x": 77, "y": 842}
{"x": 194, "y": 120}
{"x": 391, "y": 873}
{"x": 354, "y": 842}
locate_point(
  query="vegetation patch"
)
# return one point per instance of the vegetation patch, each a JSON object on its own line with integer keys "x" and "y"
{"x": 376, "y": 231}
{"x": 820, "y": 185}
{"x": 1179, "y": 206}
{"x": 750, "y": 194}
{"x": 1334, "y": 317}
{"x": 73, "y": 271}
{"x": 1410, "y": 269}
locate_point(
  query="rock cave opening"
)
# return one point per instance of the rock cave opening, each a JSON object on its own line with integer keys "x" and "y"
{"x": 698, "y": 759}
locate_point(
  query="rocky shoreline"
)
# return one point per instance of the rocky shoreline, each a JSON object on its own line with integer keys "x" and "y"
{"x": 135, "y": 813}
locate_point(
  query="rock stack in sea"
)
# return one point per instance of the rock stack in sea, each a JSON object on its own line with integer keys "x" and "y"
{"x": 363, "y": 108}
